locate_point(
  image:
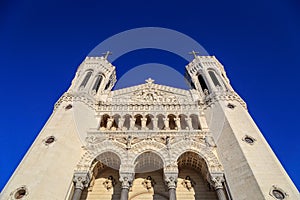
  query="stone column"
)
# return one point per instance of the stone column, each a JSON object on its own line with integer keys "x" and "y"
{"x": 171, "y": 175}
{"x": 171, "y": 181}
{"x": 144, "y": 121}
{"x": 132, "y": 123}
{"x": 216, "y": 181}
{"x": 126, "y": 179}
{"x": 166, "y": 123}
{"x": 81, "y": 180}
{"x": 155, "y": 123}
{"x": 177, "y": 122}
{"x": 121, "y": 123}
{"x": 189, "y": 123}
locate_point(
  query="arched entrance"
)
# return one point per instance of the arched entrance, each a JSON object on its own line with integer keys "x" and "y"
{"x": 104, "y": 182}
{"x": 191, "y": 182}
{"x": 148, "y": 183}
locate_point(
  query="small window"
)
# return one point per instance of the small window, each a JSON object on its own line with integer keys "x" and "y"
{"x": 68, "y": 107}
{"x": 202, "y": 83}
{"x": 86, "y": 79}
{"x": 49, "y": 140}
{"x": 20, "y": 194}
{"x": 107, "y": 85}
{"x": 97, "y": 83}
{"x": 231, "y": 106}
{"x": 214, "y": 78}
{"x": 278, "y": 194}
{"x": 248, "y": 139}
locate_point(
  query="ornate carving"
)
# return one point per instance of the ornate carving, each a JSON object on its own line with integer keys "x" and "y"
{"x": 153, "y": 95}
{"x": 171, "y": 180}
{"x": 188, "y": 183}
{"x": 148, "y": 182}
{"x": 209, "y": 140}
{"x": 217, "y": 181}
{"x": 109, "y": 183}
{"x": 94, "y": 140}
{"x": 81, "y": 180}
{"x": 126, "y": 179}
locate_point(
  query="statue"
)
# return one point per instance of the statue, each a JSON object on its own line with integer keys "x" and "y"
{"x": 148, "y": 182}
{"x": 188, "y": 183}
{"x": 109, "y": 183}
{"x": 128, "y": 142}
{"x": 109, "y": 123}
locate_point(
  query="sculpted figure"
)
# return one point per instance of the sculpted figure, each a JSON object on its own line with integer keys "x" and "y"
{"x": 109, "y": 183}
{"x": 148, "y": 182}
{"x": 188, "y": 183}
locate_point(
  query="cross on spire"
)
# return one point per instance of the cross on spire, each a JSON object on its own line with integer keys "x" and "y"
{"x": 106, "y": 54}
{"x": 194, "y": 53}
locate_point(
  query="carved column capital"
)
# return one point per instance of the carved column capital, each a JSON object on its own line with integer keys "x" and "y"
{"x": 216, "y": 181}
{"x": 81, "y": 180}
{"x": 171, "y": 180}
{"x": 126, "y": 179}
{"x": 171, "y": 175}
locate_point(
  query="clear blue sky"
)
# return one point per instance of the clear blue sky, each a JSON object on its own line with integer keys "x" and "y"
{"x": 43, "y": 42}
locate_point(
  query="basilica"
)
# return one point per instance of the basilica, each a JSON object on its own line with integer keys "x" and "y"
{"x": 150, "y": 141}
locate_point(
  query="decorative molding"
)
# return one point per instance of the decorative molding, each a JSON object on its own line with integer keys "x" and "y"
{"x": 81, "y": 179}
{"x": 216, "y": 180}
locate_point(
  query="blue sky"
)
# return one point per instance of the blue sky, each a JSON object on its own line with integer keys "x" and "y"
{"x": 43, "y": 42}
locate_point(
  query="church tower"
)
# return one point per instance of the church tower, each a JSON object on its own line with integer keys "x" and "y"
{"x": 150, "y": 141}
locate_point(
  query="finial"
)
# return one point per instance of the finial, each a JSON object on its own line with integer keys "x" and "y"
{"x": 149, "y": 80}
{"x": 194, "y": 53}
{"x": 106, "y": 54}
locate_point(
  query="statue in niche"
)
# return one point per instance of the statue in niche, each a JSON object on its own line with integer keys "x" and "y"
{"x": 148, "y": 182}
{"x": 168, "y": 142}
{"x": 128, "y": 142}
{"x": 205, "y": 92}
{"x": 188, "y": 183}
{"x": 109, "y": 123}
{"x": 109, "y": 183}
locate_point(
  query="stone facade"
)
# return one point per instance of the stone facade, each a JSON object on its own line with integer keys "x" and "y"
{"x": 150, "y": 141}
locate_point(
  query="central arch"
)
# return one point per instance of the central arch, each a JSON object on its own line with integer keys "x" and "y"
{"x": 148, "y": 182}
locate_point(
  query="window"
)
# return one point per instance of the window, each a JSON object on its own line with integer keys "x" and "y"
{"x": 97, "y": 83}
{"x": 214, "y": 78}
{"x": 202, "y": 83}
{"x": 86, "y": 79}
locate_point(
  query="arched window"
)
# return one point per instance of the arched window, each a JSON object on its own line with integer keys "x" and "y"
{"x": 97, "y": 83}
{"x": 172, "y": 124}
{"x": 202, "y": 83}
{"x": 86, "y": 79}
{"x": 138, "y": 121}
{"x": 107, "y": 85}
{"x": 214, "y": 78}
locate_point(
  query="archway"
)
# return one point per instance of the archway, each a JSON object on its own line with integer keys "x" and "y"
{"x": 148, "y": 182}
{"x": 104, "y": 182}
{"x": 191, "y": 182}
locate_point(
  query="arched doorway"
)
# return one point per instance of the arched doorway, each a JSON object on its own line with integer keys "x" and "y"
{"x": 148, "y": 183}
{"x": 104, "y": 182}
{"x": 191, "y": 182}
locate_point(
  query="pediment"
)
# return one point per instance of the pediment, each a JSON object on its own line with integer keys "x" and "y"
{"x": 151, "y": 93}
